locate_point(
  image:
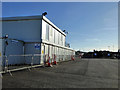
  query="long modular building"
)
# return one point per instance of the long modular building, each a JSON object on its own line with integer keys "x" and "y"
{"x": 33, "y": 35}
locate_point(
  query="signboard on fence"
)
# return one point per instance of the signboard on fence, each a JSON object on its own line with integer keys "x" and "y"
{"x": 37, "y": 46}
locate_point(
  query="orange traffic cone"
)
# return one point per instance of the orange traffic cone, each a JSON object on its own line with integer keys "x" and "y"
{"x": 49, "y": 61}
{"x": 55, "y": 60}
{"x": 72, "y": 57}
{"x": 55, "y": 63}
{"x": 80, "y": 55}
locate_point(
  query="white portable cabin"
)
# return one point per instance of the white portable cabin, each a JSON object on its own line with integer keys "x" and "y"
{"x": 40, "y": 36}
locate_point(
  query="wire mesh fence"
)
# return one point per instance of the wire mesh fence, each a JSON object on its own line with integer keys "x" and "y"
{"x": 18, "y": 62}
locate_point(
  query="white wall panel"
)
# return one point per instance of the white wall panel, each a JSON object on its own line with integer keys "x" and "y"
{"x": 43, "y": 29}
{"x": 26, "y": 30}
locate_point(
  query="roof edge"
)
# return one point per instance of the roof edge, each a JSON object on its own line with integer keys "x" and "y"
{"x": 35, "y": 17}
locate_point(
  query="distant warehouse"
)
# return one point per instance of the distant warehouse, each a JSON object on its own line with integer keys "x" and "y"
{"x": 33, "y": 35}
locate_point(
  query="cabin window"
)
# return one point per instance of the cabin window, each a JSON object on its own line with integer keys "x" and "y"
{"x": 51, "y": 31}
{"x": 54, "y": 36}
{"x": 47, "y": 31}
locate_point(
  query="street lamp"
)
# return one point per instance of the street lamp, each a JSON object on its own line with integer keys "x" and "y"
{"x": 45, "y": 13}
{"x": 6, "y": 36}
{"x": 65, "y": 31}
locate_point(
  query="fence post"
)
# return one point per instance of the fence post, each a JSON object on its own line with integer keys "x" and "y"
{"x": 6, "y": 65}
{"x": 3, "y": 63}
{"x": 32, "y": 60}
{"x": 41, "y": 58}
{"x": 44, "y": 60}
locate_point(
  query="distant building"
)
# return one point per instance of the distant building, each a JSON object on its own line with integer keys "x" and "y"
{"x": 101, "y": 54}
{"x": 118, "y": 53}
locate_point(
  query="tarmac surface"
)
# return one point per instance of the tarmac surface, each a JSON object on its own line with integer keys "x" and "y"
{"x": 81, "y": 73}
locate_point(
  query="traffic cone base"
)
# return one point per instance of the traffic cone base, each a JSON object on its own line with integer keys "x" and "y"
{"x": 72, "y": 57}
{"x": 55, "y": 62}
{"x": 48, "y": 64}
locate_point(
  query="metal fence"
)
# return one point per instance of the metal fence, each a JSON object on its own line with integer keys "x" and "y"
{"x": 19, "y": 62}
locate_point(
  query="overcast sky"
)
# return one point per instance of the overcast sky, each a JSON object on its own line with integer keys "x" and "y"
{"x": 91, "y": 25}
